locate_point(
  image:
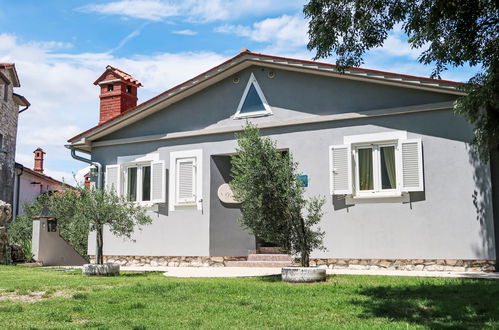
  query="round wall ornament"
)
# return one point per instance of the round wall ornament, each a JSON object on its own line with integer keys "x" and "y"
{"x": 226, "y": 195}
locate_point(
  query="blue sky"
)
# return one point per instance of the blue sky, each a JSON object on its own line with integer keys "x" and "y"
{"x": 61, "y": 47}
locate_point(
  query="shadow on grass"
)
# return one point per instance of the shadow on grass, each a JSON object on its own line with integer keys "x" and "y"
{"x": 134, "y": 274}
{"x": 270, "y": 278}
{"x": 462, "y": 305}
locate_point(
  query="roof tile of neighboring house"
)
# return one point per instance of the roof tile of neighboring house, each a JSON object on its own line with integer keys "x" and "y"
{"x": 120, "y": 73}
{"x": 44, "y": 176}
{"x": 293, "y": 62}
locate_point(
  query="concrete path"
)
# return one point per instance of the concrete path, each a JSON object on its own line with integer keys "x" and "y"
{"x": 252, "y": 272}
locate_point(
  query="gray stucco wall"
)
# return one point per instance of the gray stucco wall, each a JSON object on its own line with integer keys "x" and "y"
{"x": 452, "y": 219}
{"x": 223, "y": 217}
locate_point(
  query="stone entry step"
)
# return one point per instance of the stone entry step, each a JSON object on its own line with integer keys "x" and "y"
{"x": 265, "y": 250}
{"x": 269, "y": 257}
{"x": 264, "y": 257}
{"x": 258, "y": 263}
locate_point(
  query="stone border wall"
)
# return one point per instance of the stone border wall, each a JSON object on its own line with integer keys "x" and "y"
{"x": 449, "y": 265}
{"x": 429, "y": 265}
{"x": 175, "y": 261}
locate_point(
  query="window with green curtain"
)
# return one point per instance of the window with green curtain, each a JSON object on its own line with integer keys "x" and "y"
{"x": 132, "y": 184}
{"x": 388, "y": 173}
{"x": 366, "y": 179}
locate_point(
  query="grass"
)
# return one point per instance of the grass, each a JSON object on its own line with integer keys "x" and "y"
{"x": 36, "y": 298}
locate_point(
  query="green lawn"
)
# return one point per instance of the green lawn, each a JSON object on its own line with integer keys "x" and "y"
{"x": 37, "y": 298}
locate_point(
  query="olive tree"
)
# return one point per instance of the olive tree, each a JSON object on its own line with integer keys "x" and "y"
{"x": 273, "y": 204}
{"x": 80, "y": 211}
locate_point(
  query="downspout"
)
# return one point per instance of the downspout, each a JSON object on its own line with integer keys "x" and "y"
{"x": 18, "y": 187}
{"x": 88, "y": 161}
{"x": 98, "y": 254}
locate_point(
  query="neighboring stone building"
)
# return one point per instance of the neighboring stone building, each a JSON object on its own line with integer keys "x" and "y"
{"x": 30, "y": 183}
{"x": 10, "y": 104}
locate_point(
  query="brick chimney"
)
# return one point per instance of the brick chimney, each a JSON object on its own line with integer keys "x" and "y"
{"x": 118, "y": 93}
{"x": 38, "y": 160}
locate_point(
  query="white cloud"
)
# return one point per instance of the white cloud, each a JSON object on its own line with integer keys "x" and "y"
{"x": 186, "y": 32}
{"x": 64, "y": 100}
{"x": 152, "y": 10}
{"x": 281, "y": 34}
{"x": 192, "y": 10}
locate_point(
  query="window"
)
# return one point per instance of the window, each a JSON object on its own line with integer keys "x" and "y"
{"x": 253, "y": 102}
{"x": 138, "y": 183}
{"x": 140, "y": 179}
{"x": 375, "y": 169}
{"x": 110, "y": 88}
{"x": 376, "y": 165}
{"x": 129, "y": 89}
{"x": 1, "y": 144}
{"x": 185, "y": 179}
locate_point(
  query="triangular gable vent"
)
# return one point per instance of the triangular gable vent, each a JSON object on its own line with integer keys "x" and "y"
{"x": 253, "y": 102}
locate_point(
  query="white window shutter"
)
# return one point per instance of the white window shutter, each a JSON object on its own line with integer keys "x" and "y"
{"x": 113, "y": 178}
{"x": 340, "y": 169}
{"x": 412, "y": 165}
{"x": 186, "y": 180}
{"x": 158, "y": 182}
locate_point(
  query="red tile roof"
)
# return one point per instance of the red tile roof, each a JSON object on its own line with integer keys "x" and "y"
{"x": 247, "y": 52}
{"x": 121, "y": 74}
{"x": 46, "y": 177}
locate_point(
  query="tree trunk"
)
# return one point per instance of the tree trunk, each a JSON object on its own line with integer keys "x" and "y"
{"x": 99, "y": 259}
{"x": 305, "y": 258}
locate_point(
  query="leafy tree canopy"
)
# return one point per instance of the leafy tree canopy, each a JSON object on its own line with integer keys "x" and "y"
{"x": 448, "y": 32}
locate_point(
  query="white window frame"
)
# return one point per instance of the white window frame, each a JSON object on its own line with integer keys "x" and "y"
{"x": 173, "y": 199}
{"x": 139, "y": 167}
{"x": 268, "y": 111}
{"x": 376, "y": 141}
{"x": 377, "y": 191}
{"x": 139, "y": 161}
{"x": 178, "y": 199}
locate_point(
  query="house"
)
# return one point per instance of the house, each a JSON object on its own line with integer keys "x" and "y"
{"x": 10, "y": 108}
{"x": 404, "y": 190}
{"x": 30, "y": 183}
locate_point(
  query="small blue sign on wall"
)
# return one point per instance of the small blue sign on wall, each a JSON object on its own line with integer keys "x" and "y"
{"x": 304, "y": 180}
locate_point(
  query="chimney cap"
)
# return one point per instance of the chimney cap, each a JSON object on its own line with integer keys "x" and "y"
{"x": 39, "y": 149}
{"x": 119, "y": 74}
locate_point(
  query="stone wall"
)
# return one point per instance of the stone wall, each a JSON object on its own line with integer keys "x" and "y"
{"x": 9, "y": 112}
{"x": 449, "y": 265}
{"x": 169, "y": 261}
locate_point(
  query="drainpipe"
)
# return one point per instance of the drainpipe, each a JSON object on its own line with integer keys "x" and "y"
{"x": 18, "y": 187}
{"x": 88, "y": 161}
{"x": 98, "y": 254}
